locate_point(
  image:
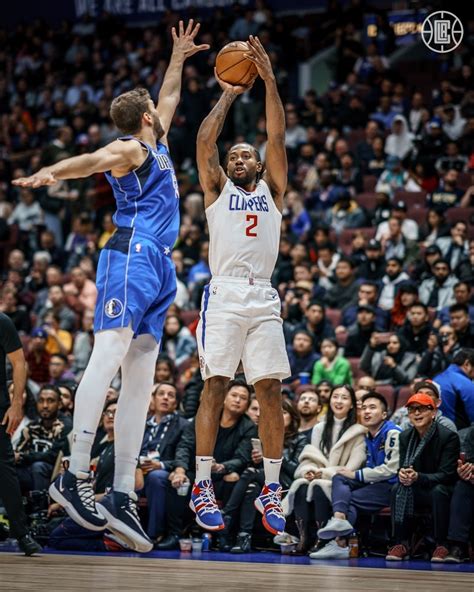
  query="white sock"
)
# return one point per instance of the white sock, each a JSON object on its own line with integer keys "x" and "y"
{"x": 271, "y": 468}
{"x": 138, "y": 370}
{"x": 203, "y": 468}
{"x": 109, "y": 349}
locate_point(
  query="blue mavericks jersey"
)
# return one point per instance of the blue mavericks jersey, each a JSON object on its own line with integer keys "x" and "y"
{"x": 147, "y": 197}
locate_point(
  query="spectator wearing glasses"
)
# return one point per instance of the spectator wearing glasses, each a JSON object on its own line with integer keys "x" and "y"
{"x": 430, "y": 388}
{"x": 426, "y": 475}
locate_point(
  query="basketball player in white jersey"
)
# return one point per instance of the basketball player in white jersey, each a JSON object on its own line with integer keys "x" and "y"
{"x": 240, "y": 315}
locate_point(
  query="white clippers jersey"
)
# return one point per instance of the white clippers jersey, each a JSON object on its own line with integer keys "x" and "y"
{"x": 244, "y": 230}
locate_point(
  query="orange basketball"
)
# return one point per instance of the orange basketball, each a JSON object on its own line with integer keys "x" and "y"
{"x": 233, "y": 67}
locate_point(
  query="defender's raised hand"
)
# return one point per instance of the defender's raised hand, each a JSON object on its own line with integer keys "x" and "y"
{"x": 183, "y": 40}
{"x": 259, "y": 57}
{"x": 39, "y": 179}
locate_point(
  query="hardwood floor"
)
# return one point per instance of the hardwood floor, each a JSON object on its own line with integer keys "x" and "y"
{"x": 85, "y": 573}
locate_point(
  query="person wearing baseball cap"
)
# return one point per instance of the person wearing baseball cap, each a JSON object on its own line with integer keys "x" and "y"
{"x": 427, "y": 474}
{"x": 409, "y": 227}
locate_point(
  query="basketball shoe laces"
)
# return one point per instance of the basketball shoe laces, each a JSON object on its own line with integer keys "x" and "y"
{"x": 86, "y": 494}
{"x": 130, "y": 505}
{"x": 272, "y": 503}
{"x": 206, "y": 501}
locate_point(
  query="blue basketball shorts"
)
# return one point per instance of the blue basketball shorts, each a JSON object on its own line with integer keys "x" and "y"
{"x": 136, "y": 283}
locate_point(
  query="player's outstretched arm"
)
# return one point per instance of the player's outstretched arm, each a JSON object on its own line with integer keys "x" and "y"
{"x": 276, "y": 165}
{"x": 211, "y": 174}
{"x": 170, "y": 93}
{"x": 121, "y": 157}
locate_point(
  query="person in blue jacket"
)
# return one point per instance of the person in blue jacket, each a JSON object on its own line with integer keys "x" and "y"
{"x": 457, "y": 389}
{"x": 369, "y": 487}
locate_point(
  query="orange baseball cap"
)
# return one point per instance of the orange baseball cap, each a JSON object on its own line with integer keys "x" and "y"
{"x": 421, "y": 399}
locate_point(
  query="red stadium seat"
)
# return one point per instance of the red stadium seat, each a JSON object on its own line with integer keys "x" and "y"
{"x": 189, "y": 316}
{"x": 388, "y": 392}
{"x": 370, "y": 181}
{"x": 459, "y": 215}
{"x": 334, "y": 316}
{"x": 355, "y": 367}
{"x": 417, "y": 214}
{"x": 411, "y": 198}
{"x": 366, "y": 200}
{"x": 346, "y": 236}
{"x": 465, "y": 180}
{"x": 403, "y": 395}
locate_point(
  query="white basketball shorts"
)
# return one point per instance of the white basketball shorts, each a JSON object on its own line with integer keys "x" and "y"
{"x": 241, "y": 321}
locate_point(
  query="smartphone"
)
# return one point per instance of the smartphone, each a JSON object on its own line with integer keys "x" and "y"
{"x": 462, "y": 457}
{"x": 257, "y": 445}
{"x": 142, "y": 459}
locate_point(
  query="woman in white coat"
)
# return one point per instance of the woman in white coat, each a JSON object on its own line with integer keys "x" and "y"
{"x": 336, "y": 442}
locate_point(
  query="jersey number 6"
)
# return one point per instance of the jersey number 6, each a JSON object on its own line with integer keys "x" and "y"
{"x": 252, "y": 220}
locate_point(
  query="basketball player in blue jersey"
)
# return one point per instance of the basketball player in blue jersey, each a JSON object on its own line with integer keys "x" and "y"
{"x": 136, "y": 283}
{"x": 240, "y": 315}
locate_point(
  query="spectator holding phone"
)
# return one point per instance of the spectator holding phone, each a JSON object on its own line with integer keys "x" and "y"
{"x": 440, "y": 352}
{"x": 392, "y": 364}
{"x": 252, "y": 479}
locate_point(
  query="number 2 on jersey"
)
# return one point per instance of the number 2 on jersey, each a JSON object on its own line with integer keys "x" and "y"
{"x": 252, "y": 220}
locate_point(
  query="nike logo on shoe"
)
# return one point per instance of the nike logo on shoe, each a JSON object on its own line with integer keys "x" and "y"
{"x": 61, "y": 486}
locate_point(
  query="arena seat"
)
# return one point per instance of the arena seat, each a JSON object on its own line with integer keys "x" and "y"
{"x": 459, "y": 215}
{"x": 356, "y": 369}
{"x": 334, "y": 316}
{"x": 465, "y": 180}
{"x": 411, "y": 198}
{"x": 389, "y": 393}
{"x": 370, "y": 181}
{"x": 189, "y": 316}
{"x": 417, "y": 214}
{"x": 402, "y": 396}
{"x": 366, "y": 200}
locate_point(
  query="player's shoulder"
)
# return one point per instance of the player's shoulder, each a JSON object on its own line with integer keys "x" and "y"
{"x": 126, "y": 145}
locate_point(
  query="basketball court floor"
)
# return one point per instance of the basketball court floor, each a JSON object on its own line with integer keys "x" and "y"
{"x": 221, "y": 572}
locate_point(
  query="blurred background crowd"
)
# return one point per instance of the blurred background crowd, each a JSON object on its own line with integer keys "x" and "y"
{"x": 376, "y": 262}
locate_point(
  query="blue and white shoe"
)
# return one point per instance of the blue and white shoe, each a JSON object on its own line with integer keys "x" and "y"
{"x": 75, "y": 494}
{"x": 120, "y": 511}
{"x": 203, "y": 503}
{"x": 268, "y": 503}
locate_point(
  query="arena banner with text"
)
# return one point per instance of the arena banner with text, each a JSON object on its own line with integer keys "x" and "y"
{"x": 138, "y": 10}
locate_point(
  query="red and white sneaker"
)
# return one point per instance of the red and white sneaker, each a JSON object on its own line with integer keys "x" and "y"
{"x": 439, "y": 554}
{"x": 397, "y": 553}
{"x": 268, "y": 503}
{"x": 203, "y": 503}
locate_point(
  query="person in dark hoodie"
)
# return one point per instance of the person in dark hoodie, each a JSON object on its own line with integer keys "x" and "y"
{"x": 301, "y": 356}
{"x": 315, "y": 323}
{"x": 360, "y": 332}
{"x": 417, "y": 328}
{"x": 393, "y": 365}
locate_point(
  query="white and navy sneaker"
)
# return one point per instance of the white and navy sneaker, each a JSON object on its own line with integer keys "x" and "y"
{"x": 75, "y": 494}
{"x": 120, "y": 511}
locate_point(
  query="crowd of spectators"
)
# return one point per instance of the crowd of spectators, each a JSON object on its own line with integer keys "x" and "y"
{"x": 375, "y": 272}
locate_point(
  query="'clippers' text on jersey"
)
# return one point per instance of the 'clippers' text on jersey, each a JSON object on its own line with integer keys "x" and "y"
{"x": 244, "y": 231}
